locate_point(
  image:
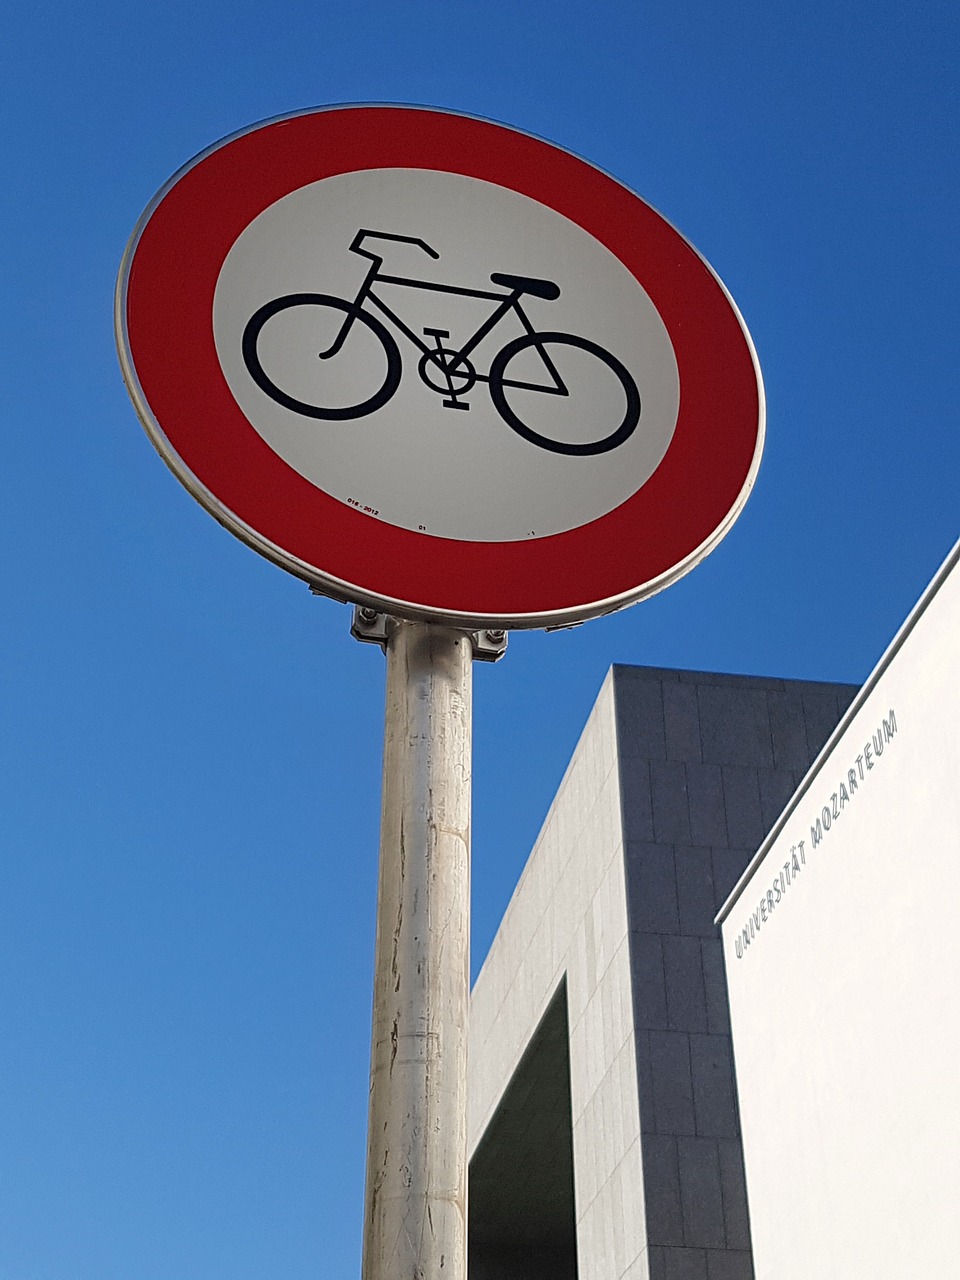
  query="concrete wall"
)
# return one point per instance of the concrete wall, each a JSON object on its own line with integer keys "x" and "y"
{"x": 842, "y": 953}
{"x": 707, "y": 764}
{"x": 568, "y": 918}
{"x": 675, "y": 780}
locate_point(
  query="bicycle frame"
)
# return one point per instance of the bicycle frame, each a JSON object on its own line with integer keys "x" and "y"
{"x": 506, "y": 302}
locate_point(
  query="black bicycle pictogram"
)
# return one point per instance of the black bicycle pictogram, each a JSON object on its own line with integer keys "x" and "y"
{"x": 443, "y": 368}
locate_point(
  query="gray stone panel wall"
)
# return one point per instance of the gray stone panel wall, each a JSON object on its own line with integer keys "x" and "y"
{"x": 677, "y": 778}
{"x": 707, "y": 764}
{"x": 567, "y": 924}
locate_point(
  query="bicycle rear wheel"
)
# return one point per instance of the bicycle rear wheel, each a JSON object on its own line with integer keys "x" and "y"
{"x": 500, "y": 383}
{"x": 315, "y": 328}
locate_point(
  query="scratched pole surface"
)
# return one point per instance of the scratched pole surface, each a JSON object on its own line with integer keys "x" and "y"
{"x": 416, "y": 1193}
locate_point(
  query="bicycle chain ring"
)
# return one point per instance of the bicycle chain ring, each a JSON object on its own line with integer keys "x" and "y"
{"x": 457, "y": 373}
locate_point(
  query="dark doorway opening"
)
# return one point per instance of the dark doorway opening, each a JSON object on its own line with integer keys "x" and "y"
{"x": 522, "y": 1219}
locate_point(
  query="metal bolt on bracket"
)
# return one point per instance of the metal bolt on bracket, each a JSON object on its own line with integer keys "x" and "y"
{"x": 489, "y": 646}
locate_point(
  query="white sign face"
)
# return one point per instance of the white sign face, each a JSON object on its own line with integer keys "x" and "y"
{"x": 437, "y": 454}
{"x": 439, "y": 367}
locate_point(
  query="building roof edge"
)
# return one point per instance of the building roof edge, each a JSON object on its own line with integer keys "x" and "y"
{"x": 913, "y": 617}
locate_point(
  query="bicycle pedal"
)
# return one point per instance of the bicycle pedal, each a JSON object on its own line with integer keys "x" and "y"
{"x": 454, "y": 404}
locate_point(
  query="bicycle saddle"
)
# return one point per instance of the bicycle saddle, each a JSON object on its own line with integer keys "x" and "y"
{"x": 528, "y": 284}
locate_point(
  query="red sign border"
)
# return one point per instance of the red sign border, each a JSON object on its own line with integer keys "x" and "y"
{"x": 164, "y": 312}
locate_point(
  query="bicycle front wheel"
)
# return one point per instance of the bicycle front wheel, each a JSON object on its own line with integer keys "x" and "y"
{"x": 321, "y": 357}
{"x": 604, "y": 396}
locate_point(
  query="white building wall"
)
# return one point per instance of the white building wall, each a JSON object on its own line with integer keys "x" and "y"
{"x": 842, "y": 951}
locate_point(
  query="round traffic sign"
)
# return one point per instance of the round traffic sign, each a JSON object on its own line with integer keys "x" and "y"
{"x": 435, "y": 365}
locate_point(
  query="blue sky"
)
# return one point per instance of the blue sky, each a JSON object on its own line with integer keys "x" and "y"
{"x": 190, "y": 743}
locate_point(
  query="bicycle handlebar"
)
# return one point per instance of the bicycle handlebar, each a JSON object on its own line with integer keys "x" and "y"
{"x": 387, "y": 235}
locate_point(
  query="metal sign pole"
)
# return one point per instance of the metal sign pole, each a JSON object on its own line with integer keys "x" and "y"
{"x": 415, "y": 1221}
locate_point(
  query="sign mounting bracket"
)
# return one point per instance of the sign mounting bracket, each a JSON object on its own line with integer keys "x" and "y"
{"x": 371, "y": 627}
